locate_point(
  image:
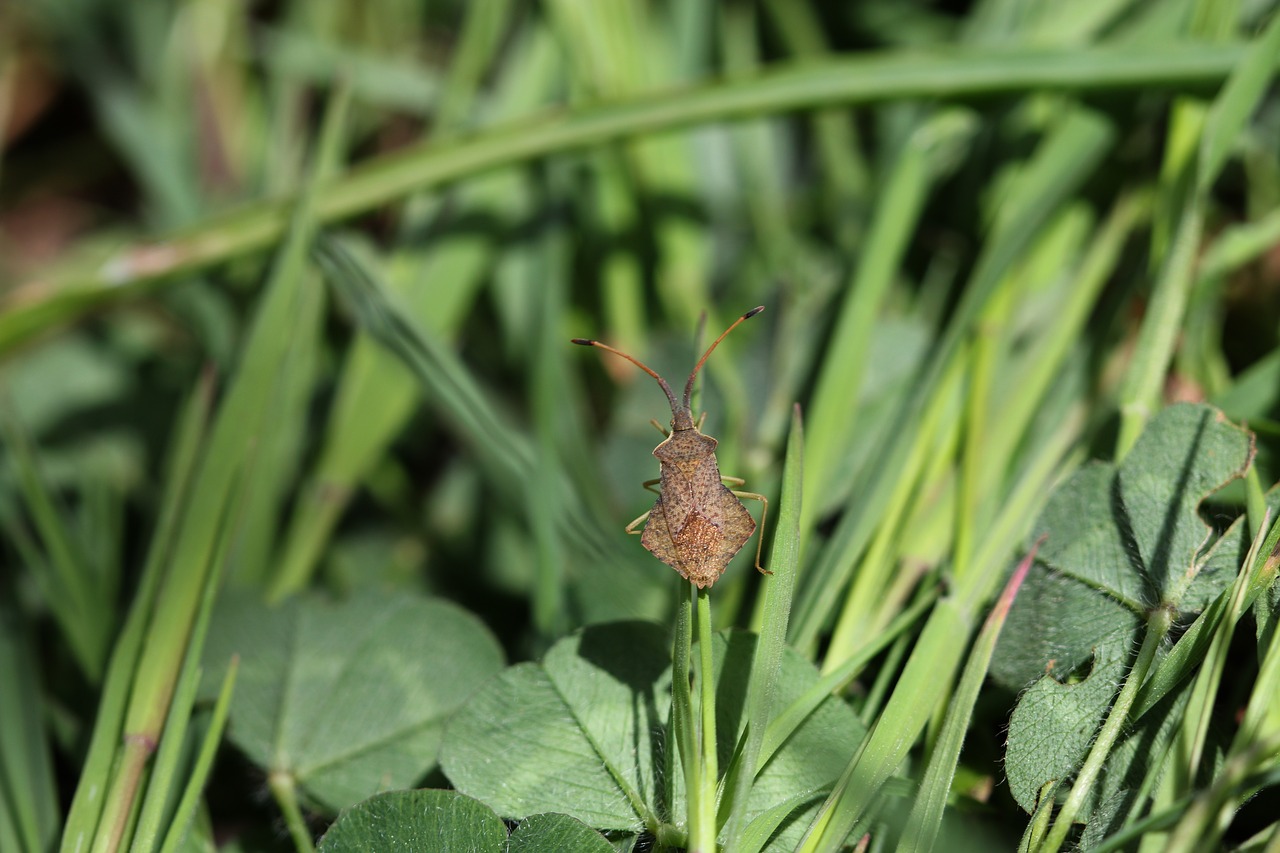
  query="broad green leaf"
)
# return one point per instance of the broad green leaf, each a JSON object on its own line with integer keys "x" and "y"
{"x": 348, "y": 698}
{"x": 573, "y": 734}
{"x": 431, "y": 821}
{"x": 584, "y": 732}
{"x": 555, "y": 833}
{"x": 1121, "y": 540}
{"x": 416, "y": 822}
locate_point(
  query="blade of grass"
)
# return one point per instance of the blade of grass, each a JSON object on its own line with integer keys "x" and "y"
{"x": 894, "y": 220}
{"x": 682, "y": 708}
{"x": 930, "y": 669}
{"x": 925, "y": 819}
{"x": 72, "y": 586}
{"x": 231, "y": 444}
{"x": 506, "y": 455}
{"x": 163, "y": 783}
{"x": 1070, "y": 151}
{"x": 784, "y": 562}
{"x": 185, "y": 811}
{"x": 375, "y": 395}
{"x": 29, "y": 810}
{"x": 861, "y": 79}
{"x": 702, "y": 807}
{"x": 96, "y": 772}
{"x": 1157, "y": 338}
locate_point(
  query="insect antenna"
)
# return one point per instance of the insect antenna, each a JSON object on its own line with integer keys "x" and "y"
{"x": 666, "y": 389}
{"x": 688, "y": 386}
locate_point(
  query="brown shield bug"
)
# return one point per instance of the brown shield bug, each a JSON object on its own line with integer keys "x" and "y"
{"x": 697, "y": 524}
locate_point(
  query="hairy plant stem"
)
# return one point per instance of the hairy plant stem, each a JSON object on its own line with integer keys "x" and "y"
{"x": 1158, "y": 624}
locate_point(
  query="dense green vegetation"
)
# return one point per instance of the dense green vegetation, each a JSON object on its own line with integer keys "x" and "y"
{"x": 312, "y": 518}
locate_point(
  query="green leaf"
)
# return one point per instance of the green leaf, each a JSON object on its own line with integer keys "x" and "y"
{"x": 348, "y": 698}
{"x": 584, "y": 732}
{"x": 554, "y": 833}
{"x": 431, "y": 821}
{"x": 416, "y": 822}
{"x": 572, "y": 734}
{"x": 1121, "y": 541}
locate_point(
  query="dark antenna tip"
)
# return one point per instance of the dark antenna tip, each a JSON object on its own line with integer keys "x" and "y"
{"x": 583, "y": 342}
{"x": 753, "y": 312}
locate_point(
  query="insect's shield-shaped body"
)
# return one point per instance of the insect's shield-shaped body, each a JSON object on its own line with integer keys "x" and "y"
{"x": 697, "y": 524}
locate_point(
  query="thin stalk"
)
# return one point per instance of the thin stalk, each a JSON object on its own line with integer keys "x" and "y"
{"x": 1158, "y": 625}
{"x": 682, "y": 704}
{"x": 702, "y": 829}
{"x": 286, "y": 795}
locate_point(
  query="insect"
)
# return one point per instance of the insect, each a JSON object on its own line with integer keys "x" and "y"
{"x": 697, "y": 524}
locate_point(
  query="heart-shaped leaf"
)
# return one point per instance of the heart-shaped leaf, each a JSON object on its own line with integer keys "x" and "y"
{"x": 349, "y": 698}
{"x": 585, "y": 733}
{"x": 1120, "y": 541}
{"x": 430, "y": 821}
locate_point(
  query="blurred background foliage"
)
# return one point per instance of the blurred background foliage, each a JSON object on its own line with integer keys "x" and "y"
{"x": 992, "y": 238}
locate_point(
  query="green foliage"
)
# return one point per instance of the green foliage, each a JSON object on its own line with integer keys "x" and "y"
{"x": 411, "y": 821}
{"x": 295, "y": 455}
{"x": 346, "y": 698}
{"x": 585, "y": 731}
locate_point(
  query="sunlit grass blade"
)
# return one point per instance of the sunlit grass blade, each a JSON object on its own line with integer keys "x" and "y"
{"x": 1070, "y": 151}
{"x": 784, "y": 562}
{"x": 835, "y": 397}
{"x": 850, "y": 80}
{"x": 925, "y": 820}
{"x": 929, "y": 670}
{"x": 1196, "y": 175}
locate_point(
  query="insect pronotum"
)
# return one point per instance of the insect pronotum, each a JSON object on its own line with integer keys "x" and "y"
{"x": 697, "y": 524}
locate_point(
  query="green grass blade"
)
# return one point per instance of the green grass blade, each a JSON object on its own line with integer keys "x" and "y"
{"x": 231, "y": 447}
{"x": 784, "y": 562}
{"x": 852, "y": 80}
{"x": 1065, "y": 157}
{"x": 1236, "y": 102}
{"x": 163, "y": 785}
{"x": 1158, "y": 337}
{"x": 375, "y": 395}
{"x": 895, "y": 220}
{"x": 506, "y": 455}
{"x": 925, "y": 819}
{"x": 72, "y": 586}
{"x": 96, "y": 773}
{"x": 929, "y": 670}
{"x": 28, "y": 798}
{"x": 186, "y": 808}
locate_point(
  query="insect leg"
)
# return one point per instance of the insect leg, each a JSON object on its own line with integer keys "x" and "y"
{"x": 659, "y": 427}
{"x": 631, "y": 528}
{"x": 764, "y": 513}
{"x": 649, "y": 484}
{"x": 733, "y": 481}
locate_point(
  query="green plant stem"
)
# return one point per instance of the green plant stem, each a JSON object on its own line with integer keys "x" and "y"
{"x": 1158, "y": 624}
{"x": 702, "y": 829}
{"x": 286, "y": 795}
{"x": 682, "y": 705}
